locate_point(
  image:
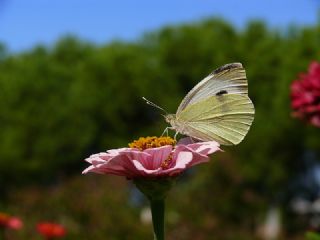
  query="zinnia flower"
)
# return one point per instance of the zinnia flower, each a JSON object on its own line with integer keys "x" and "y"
{"x": 151, "y": 157}
{"x": 153, "y": 164}
{"x": 305, "y": 95}
{"x": 10, "y": 222}
{"x": 51, "y": 230}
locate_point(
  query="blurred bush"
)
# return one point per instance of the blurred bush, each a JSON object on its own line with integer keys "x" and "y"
{"x": 84, "y": 207}
{"x": 60, "y": 104}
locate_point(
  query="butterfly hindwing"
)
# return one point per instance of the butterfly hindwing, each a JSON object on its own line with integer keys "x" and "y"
{"x": 224, "y": 118}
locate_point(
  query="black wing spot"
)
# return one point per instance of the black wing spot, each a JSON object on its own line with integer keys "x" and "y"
{"x": 227, "y": 67}
{"x": 221, "y": 92}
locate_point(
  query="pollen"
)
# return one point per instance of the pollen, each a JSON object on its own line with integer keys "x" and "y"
{"x": 166, "y": 163}
{"x": 151, "y": 142}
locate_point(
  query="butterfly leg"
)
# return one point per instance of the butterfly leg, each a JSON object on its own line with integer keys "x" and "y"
{"x": 165, "y": 131}
{"x": 175, "y": 135}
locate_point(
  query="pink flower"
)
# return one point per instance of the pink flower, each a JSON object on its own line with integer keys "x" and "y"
{"x": 152, "y": 163}
{"x": 151, "y": 157}
{"x": 305, "y": 95}
{"x": 10, "y": 222}
{"x": 15, "y": 223}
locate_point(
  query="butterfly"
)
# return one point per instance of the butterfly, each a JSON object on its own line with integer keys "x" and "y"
{"x": 217, "y": 108}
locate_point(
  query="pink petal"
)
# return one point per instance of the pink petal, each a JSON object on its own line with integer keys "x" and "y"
{"x": 117, "y": 165}
{"x": 105, "y": 169}
{"x": 143, "y": 171}
{"x": 142, "y": 157}
{"x": 158, "y": 155}
{"x": 95, "y": 160}
{"x": 123, "y": 164}
{"x": 200, "y": 151}
{"x": 205, "y": 148}
{"x": 91, "y": 169}
{"x": 182, "y": 160}
{"x": 115, "y": 152}
{"x": 104, "y": 156}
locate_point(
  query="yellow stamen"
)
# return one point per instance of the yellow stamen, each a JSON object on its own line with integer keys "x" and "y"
{"x": 151, "y": 142}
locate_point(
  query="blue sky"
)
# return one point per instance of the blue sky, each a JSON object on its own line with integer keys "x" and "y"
{"x": 25, "y": 23}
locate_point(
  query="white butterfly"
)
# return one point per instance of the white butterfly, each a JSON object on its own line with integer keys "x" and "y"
{"x": 217, "y": 108}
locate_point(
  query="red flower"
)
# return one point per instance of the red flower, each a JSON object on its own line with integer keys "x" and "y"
{"x": 51, "y": 230}
{"x": 305, "y": 95}
{"x": 7, "y": 221}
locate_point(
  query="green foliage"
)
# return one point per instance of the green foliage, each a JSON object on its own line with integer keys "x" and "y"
{"x": 312, "y": 236}
{"x": 61, "y": 104}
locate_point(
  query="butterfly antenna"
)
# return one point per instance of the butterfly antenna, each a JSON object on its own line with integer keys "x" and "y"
{"x": 154, "y": 105}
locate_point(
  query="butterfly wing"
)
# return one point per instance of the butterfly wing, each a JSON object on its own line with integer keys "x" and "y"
{"x": 225, "y": 118}
{"x": 230, "y": 78}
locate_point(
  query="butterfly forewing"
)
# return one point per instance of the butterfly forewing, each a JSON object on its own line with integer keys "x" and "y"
{"x": 225, "y": 119}
{"x": 230, "y": 78}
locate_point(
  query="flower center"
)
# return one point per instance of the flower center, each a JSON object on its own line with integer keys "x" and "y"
{"x": 151, "y": 142}
{"x": 166, "y": 163}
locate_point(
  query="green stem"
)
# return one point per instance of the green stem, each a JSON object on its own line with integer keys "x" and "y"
{"x": 157, "y": 211}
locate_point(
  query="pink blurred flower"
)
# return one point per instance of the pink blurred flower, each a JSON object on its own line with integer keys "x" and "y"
{"x": 305, "y": 95}
{"x": 10, "y": 222}
{"x": 51, "y": 230}
{"x": 15, "y": 223}
{"x": 151, "y": 157}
